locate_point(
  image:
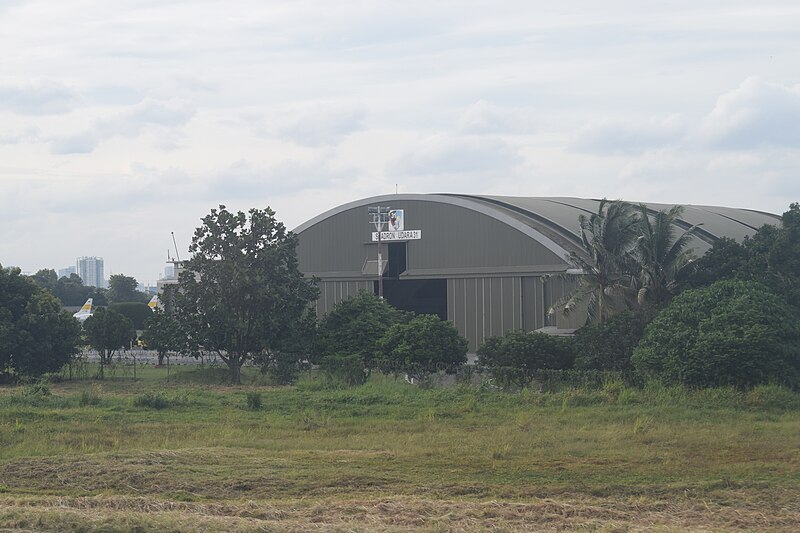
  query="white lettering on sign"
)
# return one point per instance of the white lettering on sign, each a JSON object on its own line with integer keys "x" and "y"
{"x": 407, "y": 235}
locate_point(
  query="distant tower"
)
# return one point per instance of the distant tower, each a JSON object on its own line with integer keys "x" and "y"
{"x": 90, "y": 269}
{"x": 65, "y": 272}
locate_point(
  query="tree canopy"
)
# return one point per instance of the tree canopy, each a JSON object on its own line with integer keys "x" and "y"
{"x": 122, "y": 288}
{"x": 36, "y": 336}
{"x": 108, "y": 331}
{"x": 732, "y": 332}
{"x": 241, "y": 289}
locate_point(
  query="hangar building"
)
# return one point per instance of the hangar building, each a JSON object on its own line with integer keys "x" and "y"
{"x": 489, "y": 264}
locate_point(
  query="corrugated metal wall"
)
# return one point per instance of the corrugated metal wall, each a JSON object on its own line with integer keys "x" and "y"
{"x": 333, "y": 292}
{"x": 487, "y": 306}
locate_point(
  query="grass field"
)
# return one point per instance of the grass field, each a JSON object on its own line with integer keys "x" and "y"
{"x": 189, "y": 455}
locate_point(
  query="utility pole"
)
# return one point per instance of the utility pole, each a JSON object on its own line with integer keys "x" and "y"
{"x": 379, "y": 216}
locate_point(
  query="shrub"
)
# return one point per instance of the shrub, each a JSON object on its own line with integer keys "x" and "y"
{"x": 424, "y": 345}
{"x": 355, "y": 325}
{"x": 515, "y": 358}
{"x": 253, "y": 400}
{"x": 152, "y": 400}
{"x": 609, "y": 345}
{"x": 734, "y": 333}
{"x": 89, "y": 396}
{"x": 345, "y": 369}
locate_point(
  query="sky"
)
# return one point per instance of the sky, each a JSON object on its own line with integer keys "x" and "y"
{"x": 124, "y": 121}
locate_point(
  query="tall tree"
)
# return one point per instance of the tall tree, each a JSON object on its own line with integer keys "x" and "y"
{"x": 661, "y": 255}
{"x": 46, "y": 279}
{"x": 163, "y": 333}
{"x": 241, "y": 289}
{"x": 122, "y": 288}
{"x": 108, "y": 331}
{"x": 608, "y": 239}
{"x": 36, "y": 336}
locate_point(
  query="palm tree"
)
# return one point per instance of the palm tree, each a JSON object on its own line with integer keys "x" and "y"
{"x": 607, "y": 266}
{"x": 660, "y": 255}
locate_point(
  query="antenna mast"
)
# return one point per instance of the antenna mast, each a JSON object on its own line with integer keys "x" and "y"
{"x": 177, "y": 255}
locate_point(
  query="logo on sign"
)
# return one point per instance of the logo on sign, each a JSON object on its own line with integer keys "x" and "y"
{"x": 396, "y": 220}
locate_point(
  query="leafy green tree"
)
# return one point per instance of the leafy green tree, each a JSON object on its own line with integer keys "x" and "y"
{"x": 241, "y": 289}
{"x": 71, "y": 291}
{"x": 660, "y": 254}
{"x": 107, "y": 331}
{"x": 421, "y": 346}
{"x": 46, "y": 279}
{"x": 163, "y": 333}
{"x": 730, "y": 333}
{"x": 36, "y": 336}
{"x": 610, "y": 345}
{"x": 514, "y": 358}
{"x": 355, "y": 326}
{"x": 136, "y": 312}
{"x": 771, "y": 256}
{"x": 606, "y": 263}
{"x": 292, "y": 352}
{"x": 122, "y": 288}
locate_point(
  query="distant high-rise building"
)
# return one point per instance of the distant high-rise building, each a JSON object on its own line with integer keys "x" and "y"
{"x": 169, "y": 272}
{"x": 90, "y": 269}
{"x": 65, "y": 272}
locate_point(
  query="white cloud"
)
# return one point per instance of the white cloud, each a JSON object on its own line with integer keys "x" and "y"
{"x": 312, "y": 125}
{"x": 614, "y": 136}
{"x": 447, "y": 155}
{"x": 484, "y": 117}
{"x": 757, "y": 113}
{"x": 159, "y": 117}
{"x": 43, "y": 97}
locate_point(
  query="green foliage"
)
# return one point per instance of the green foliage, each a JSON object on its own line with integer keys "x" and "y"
{"x": 36, "y": 336}
{"x": 610, "y": 345}
{"x": 107, "y": 331}
{"x": 424, "y": 345}
{"x": 152, "y": 400}
{"x": 90, "y": 396}
{"x": 163, "y": 333}
{"x": 771, "y": 256}
{"x": 660, "y": 254}
{"x": 292, "y": 351}
{"x": 122, "y": 288}
{"x": 136, "y": 312}
{"x": 46, "y": 279}
{"x": 344, "y": 369}
{"x": 355, "y": 326}
{"x": 253, "y": 400}
{"x": 730, "y": 333}
{"x": 608, "y": 237}
{"x": 514, "y": 359}
{"x": 242, "y": 289}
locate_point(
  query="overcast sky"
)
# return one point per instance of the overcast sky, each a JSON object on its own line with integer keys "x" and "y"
{"x": 121, "y": 121}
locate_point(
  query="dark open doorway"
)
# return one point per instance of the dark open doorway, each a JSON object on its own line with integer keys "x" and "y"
{"x": 422, "y": 296}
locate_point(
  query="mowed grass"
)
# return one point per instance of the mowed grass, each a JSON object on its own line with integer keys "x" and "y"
{"x": 189, "y": 455}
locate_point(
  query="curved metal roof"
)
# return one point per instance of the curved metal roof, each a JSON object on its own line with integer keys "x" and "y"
{"x": 553, "y": 221}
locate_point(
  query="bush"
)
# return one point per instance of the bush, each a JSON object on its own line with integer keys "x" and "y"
{"x": 422, "y": 346}
{"x": 152, "y": 400}
{"x": 514, "y": 359}
{"x": 253, "y": 400}
{"x": 610, "y": 345}
{"x": 355, "y": 325}
{"x": 89, "y": 396}
{"x": 732, "y": 333}
{"x": 345, "y": 369}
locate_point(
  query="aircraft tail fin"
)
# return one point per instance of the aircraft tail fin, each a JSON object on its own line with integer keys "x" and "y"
{"x": 153, "y": 303}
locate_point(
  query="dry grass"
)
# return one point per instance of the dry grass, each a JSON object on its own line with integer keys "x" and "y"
{"x": 394, "y": 458}
{"x": 396, "y": 514}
